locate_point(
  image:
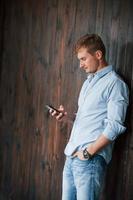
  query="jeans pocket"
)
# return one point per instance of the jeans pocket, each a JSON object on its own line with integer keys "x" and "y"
{"x": 85, "y": 160}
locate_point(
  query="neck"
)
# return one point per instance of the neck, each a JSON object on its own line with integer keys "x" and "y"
{"x": 102, "y": 64}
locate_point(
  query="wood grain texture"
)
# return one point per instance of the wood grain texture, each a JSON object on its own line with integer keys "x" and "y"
{"x": 38, "y": 67}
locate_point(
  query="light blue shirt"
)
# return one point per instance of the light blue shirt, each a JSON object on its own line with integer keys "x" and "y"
{"x": 102, "y": 106}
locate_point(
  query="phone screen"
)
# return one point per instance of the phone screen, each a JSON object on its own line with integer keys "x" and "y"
{"x": 49, "y": 107}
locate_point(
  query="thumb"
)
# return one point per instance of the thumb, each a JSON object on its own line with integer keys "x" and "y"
{"x": 61, "y": 108}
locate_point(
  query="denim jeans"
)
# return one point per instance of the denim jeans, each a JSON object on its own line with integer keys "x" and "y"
{"x": 83, "y": 179}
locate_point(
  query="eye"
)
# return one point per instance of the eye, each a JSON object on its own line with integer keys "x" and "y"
{"x": 83, "y": 59}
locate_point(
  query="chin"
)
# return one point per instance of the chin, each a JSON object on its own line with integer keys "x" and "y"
{"x": 88, "y": 71}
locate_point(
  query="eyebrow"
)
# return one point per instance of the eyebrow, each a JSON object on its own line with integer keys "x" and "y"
{"x": 82, "y": 58}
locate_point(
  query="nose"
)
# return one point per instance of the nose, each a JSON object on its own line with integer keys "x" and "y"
{"x": 81, "y": 64}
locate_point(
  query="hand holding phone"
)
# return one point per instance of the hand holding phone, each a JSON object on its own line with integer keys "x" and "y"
{"x": 58, "y": 113}
{"x": 51, "y": 108}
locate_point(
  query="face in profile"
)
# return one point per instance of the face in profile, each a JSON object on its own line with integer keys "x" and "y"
{"x": 90, "y": 63}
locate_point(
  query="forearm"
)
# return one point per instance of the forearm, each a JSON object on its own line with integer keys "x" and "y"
{"x": 100, "y": 143}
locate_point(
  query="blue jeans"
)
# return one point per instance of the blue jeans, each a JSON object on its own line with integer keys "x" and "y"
{"x": 83, "y": 179}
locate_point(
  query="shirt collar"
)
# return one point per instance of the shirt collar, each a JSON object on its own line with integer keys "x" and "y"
{"x": 101, "y": 72}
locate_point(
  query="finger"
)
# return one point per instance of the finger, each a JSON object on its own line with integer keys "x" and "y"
{"x": 75, "y": 155}
{"x": 65, "y": 113}
{"x": 51, "y": 110}
{"x": 59, "y": 116}
{"x": 54, "y": 113}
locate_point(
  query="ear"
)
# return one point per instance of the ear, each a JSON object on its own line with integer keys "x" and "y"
{"x": 99, "y": 54}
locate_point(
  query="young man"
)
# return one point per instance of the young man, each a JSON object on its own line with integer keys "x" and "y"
{"x": 102, "y": 106}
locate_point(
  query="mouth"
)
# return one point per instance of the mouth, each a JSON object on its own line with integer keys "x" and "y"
{"x": 85, "y": 68}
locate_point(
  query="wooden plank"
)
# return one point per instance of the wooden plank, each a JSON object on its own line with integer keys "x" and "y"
{"x": 38, "y": 67}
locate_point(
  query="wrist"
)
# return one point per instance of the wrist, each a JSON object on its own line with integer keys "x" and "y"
{"x": 86, "y": 154}
{"x": 91, "y": 149}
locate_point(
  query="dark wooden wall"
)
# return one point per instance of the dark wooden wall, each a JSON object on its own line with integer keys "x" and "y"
{"x": 37, "y": 67}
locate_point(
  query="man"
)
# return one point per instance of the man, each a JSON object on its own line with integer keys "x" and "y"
{"x": 102, "y": 106}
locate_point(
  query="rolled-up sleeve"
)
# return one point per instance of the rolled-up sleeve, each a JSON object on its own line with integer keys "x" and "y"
{"x": 117, "y": 104}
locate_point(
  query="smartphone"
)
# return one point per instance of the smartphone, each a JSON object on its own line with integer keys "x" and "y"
{"x": 49, "y": 107}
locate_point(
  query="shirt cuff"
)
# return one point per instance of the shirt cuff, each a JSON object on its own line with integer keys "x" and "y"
{"x": 113, "y": 129}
